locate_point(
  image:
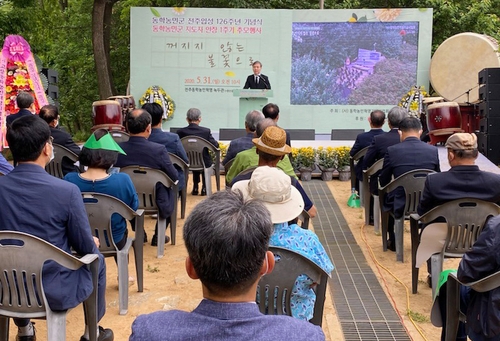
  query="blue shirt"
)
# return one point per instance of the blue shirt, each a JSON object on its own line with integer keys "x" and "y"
{"x": 117, "y": 185}
{"x": 306, "y": 243}
{"x": 5, "y": 166}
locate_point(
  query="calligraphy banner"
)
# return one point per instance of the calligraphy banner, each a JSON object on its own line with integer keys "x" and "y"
{"x": 327, "y": 68}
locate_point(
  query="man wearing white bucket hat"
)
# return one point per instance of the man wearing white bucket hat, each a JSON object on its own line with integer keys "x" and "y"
{"x": 273, "y": 187}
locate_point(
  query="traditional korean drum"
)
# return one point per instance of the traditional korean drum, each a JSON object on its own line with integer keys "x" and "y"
{"x": 107, "y": 114}
{"x": 443, "y": 120}
{"x": 456, "y": 63}
{"x": 127, "y": 104}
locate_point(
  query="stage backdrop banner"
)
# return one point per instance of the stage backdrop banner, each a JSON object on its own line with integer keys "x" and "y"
{"x": 327, "y": 68}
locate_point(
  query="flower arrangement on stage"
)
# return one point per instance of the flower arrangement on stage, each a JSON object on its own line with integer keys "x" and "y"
{"x": 341, "y": 157}
{"x": 17, "y": 79}
{"x": 223, "y": 150}
{"x": 326, "y": 157}
{"x": 413, "y": 100}
{"x": 303, "y": 157}
{"x": 155, "y": 94}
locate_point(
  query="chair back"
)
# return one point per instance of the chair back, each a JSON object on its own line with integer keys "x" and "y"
{"x": 119, "y": 136}
{"x": 22, "y": 257}
{"x": 465, "y": 218}
{"x": 227, "y": 166}
{"x": 100, "y": 207}
{"x": 366, "y": 186}
{"x": 194, "y": 146}
{"x": 303, "y": 219}
{"x": 353, "y": 160}
{"x": 176, "y": 160}
{"x": 145, "y": 180}
{"x": 413, "y": 184}
{"x": 275, "y": 289}
{"x": 54, "y": 167}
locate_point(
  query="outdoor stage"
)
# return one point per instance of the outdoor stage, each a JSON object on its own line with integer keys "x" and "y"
{"x": 321, "y": 141}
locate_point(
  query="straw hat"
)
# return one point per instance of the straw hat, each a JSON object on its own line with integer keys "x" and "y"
{"x": 273, "y": 141}
{"x": 274, "y": 188}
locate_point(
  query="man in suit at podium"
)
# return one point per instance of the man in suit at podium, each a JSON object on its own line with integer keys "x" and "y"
{"x": 257, "y": 80}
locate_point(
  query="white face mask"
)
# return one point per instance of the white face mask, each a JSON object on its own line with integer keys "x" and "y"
{"x": 267, "y": 267}
{"x": 52, "y": 154}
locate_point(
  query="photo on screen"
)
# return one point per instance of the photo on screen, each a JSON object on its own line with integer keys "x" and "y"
{"x": 362, "y": 63}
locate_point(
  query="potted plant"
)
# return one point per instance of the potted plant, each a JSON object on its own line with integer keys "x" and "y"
{"x": 303, "y": 161}
{"x": 342, "y": 162}
{"x": 326, "y": 162}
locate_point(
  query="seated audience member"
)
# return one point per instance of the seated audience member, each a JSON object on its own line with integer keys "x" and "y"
{"x": 26, "y": 104}
{"x": 272, "y": 111}
{"x": 50, "y": 114}
{"x": 249, "y": 158}
{"x": 463, "y": 180}
{"x": 171, "y": 141}
{"x": 378, "y": 148}
{"x": 142, "y": 152}
{"x": 39, "y": 204}
{"x": 5, "y": 166}
{"x": 274, "y": 189}
{"x": 245, "y": 142}
{"x": 400, "y": 158}
{"x": 376, "y": 120}
{"x": 193, "y": 117}
{"x": 271, "y": 149}
{"x": 481, "y": 308}
{"x": 99, "y": 153}
{"x": 227, "y": 240}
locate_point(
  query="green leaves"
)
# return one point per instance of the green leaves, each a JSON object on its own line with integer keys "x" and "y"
{"x": 155, "y": 12}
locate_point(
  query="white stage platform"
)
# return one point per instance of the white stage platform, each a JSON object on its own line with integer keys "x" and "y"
{"x": 483, "y": 163}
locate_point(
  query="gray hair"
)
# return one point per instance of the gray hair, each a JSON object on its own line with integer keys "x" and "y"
{"x": 227, "y": 238}
{"x": 263, "y": 124}
{"x": 252, "y": 118}
{"x": 396, "y": 115}
{"x": 193, "y": 114}
{"x": 24, "y": 100}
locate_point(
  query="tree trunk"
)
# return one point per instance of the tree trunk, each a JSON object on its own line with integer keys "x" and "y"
{"x": 101, "y": 26}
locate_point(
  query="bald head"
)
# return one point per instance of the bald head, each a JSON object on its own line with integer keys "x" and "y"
{"x": 138, "y": 122}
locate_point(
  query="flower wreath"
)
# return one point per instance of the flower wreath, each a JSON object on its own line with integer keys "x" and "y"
{"x": 412, "y": 101}
{"x": 156, "y": 94}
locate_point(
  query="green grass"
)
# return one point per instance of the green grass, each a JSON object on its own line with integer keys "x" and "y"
{"x": 417, "y": 317}
{"x": 152, "y": 270}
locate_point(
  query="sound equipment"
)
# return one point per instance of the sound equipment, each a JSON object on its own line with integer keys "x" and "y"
{"x": 488, "y": 145}
{"x": 488, "y": 135}
{"x": 489, "y": 76}
{"x": 489, "y": 109}
{"x": 490, "y": 125}
{"x": 489, "y": 92}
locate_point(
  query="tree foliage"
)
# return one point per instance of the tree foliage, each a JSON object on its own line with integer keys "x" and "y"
{"x": 60, "y": 33}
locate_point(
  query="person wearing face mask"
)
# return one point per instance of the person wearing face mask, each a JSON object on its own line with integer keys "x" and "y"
{"x": 37, "y": 203}
{"x": 50, "y": 114}
{"x": 26, "y": 104}
{"x": 99, "y": 154}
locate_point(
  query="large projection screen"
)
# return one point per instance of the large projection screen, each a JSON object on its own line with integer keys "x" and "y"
{"x": 327, "y": 68}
